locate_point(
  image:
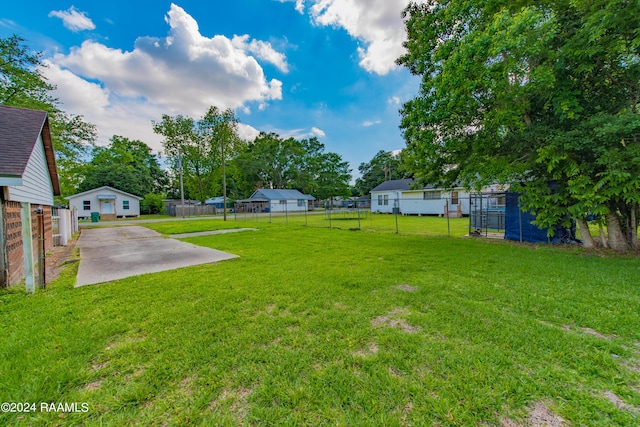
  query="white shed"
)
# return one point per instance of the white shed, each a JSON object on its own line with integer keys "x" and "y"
{"x": 109, "y": 202}
{"x": 280, "y": 200}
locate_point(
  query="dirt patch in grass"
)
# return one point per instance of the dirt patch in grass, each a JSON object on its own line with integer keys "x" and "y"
{"x": 237, "y": 399}
{"x": 590, "y": 331}
{"x": 620, "y": 404}
{"x": 407, "y": 288}
{"x": 539, "y": 416}
{"x": 394, "y": 320}
{"x": 57, "y": 258}
{"x": 98, "y": 366}
{"x": 596, "y": 334}
{"x": 186, "y": 385}
{"x": 371, "y": 350}
{"x": 93, "y": 386}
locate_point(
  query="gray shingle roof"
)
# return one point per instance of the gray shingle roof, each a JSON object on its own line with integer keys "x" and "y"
{"x": 19, "y": 131}
{"x": 281, "y": 194}
{"x": 394, "y": 184}
{"x": 401, "y": 185}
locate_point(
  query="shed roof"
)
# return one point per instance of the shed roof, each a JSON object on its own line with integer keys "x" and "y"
{"x": 19, "y": 132}
{"x": 280, "y": 194}
{"x": 96, "y": 190}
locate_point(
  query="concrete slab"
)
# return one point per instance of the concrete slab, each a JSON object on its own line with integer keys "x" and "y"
{"x": 212, "y": 232}
{"x": 108, "y": 254}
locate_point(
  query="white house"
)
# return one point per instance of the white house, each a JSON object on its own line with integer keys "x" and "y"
{"x": 266, "y": 200}
{"x": 109, "y": 202}
{"x": 397, "y": 196}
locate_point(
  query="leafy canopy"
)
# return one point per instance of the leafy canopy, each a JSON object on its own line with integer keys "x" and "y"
{"x": 529, "y": 93}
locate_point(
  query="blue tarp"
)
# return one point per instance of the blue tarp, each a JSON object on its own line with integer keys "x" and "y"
{"x": 517, "y": 222}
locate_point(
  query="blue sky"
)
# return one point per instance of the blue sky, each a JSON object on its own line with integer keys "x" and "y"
{"x": 298, "y": 68}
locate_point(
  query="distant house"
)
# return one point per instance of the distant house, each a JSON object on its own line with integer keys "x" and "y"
{"x": 109, "y": 202}
{"x": 266, "y": 200}
{"x": 28, "y": 183}
{"x": 398, "y": 196}
{"x": 218, "y": 202}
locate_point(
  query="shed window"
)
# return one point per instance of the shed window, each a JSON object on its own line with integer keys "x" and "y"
{"x": 125, "y": 205}
{"x": 431, "y": 195}
{"x": 379, "y": 199}
{"x": 86, "y": 205}
{"x": 386, "y": 199}
{"x": 301, "y": 203}
{"x": 283, "y": 202}
{"x": 454, "y": 197}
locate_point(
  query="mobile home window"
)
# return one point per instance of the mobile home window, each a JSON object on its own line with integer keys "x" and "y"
{"x": 380, "y": 199}
{"x": 283, "y": 202}
{"x": 431, "y": 195}
{"x": 86, "y": 205}
{"x": 386, "y": 199}
{"x": 301, "y": 203}
{"x": 125, "y": 205}
{"x": 454, "y": 197}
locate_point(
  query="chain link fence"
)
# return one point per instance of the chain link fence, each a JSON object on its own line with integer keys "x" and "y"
{"x": 446, "y": 216}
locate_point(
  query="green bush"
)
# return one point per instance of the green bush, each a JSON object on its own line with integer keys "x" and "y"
{"x": 152, "y": 204}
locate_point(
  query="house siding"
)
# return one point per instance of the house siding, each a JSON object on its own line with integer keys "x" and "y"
{"x": 289, "y": 206}
{"x": 413, "y": 203}
{"x": 36, "y": 185}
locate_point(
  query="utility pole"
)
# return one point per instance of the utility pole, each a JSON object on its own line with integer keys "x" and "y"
{"x": 181, "y": 184}
{"x": 224, "y": 179}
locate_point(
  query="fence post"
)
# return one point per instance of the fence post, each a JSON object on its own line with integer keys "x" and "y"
{"x": 396, "y": 211}
{"x": 27, "y": 246}
{"x": 448, "y": 220}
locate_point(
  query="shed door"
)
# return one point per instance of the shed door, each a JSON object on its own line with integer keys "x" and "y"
{"x": 107, "y": 206}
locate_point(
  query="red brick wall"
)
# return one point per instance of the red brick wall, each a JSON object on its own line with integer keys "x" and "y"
{"x": 13, "y": 237}
{"x": 13, "y": 234}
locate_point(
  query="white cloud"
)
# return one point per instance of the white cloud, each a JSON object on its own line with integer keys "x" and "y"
{"x": 262, "y": 50}
{"x": 318, "y": 132}
{"x": 299, "y": 4}
{"x": 298, "y": 133}
{"x": 182, "y": 73}
{"x": 376, "y": 23}
{"x": 73, "y": 19}
{"x": 394, "y": 100}
{"x": 368, "y": 123}
{"x": 247, "y": 132}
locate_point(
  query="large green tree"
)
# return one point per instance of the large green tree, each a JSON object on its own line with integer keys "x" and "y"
{"x": 125, "y": 164}
{"x": 23, "y": 84}
{"x": 384, "y": 166}
{"x": 203, "y": 147}
{"x": 271, "y": 161}
{"x": 542, "y": 95}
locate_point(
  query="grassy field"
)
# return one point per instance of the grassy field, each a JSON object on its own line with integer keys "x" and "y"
{"x": 312, "y": 326}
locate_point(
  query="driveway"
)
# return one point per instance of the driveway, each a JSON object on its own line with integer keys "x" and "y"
{"x": 108, "y": 254}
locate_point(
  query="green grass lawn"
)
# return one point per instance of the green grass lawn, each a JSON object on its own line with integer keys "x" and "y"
{"x": 313, "y": 326}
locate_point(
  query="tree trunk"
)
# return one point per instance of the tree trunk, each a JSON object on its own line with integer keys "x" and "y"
{"x": 603, "y": 237}
{"x": 617, "y": 241}
{"x": 585, "y": 234}
{"x": 634, "y": 227}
